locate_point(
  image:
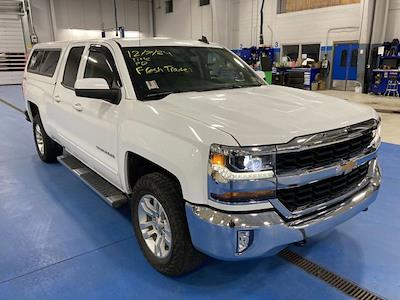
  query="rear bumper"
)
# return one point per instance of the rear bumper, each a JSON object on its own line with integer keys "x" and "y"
{"x": 215, "y": 233}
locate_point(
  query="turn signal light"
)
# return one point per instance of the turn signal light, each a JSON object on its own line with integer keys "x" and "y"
{"x": 218, "y": 159}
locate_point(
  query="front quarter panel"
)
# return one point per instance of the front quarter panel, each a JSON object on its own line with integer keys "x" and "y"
{"x": 176, "y": 143}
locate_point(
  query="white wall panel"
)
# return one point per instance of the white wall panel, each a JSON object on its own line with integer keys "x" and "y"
{"x": 73, "y": 17}
{"x": 177, "y": 24}
{"x": 76, "y": 14}
{"x": 206, "y": 24}
{"x": 131, "y": 15}
{"x": 188, "y": 20}
{"x": 234, "y": 24}
{"x": 42, "y": 19}
{"x": 107, "y": 13}
{"x": 312, "y": 25}
{"x": 91, "y": 14}
{"x": 61, "y": 10}
{"x": 393, "y": 22}
{"x": 196, "y": 26}
{"x": 243, "y": 19}
{"x": 248, "y": 21}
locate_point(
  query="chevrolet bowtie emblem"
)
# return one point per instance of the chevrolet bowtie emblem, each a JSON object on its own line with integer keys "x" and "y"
{"x": 348, "y": 166}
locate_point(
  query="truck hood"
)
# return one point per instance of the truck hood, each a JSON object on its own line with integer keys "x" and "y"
{"x": 267, "y": 114}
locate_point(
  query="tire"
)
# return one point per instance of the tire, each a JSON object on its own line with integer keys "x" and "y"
{"x": 47, "y": 149}
{"x": 181, "y": 257}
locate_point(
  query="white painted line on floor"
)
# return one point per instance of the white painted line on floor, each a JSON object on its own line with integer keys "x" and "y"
{"x": 12, "y": 106}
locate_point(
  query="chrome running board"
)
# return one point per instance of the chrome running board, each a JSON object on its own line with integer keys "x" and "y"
{"x": 108, "y": 192}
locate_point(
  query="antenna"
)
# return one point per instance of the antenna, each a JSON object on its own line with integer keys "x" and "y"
{"x": 203, "y": 39}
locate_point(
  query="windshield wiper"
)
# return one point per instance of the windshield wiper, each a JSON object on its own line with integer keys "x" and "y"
{"x": 238, "y": 86}
{"x": 156, "y": 96}
{"x": 161, "y": 95}
{"x": 228, "y": 87}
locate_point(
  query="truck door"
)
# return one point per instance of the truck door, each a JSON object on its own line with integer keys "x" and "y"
{"x": 95, "y": 120}
{"x": 61, "y": 109}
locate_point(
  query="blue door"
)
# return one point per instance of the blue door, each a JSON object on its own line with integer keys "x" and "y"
{"x": 345, "y": 62}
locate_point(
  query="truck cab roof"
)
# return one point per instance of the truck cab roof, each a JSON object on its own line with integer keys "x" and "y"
{"x": 133, "y": 42}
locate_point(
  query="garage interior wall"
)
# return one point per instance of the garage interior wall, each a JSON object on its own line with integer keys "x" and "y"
{"x": 74, "y": 19}
{"x": 12, "y": 43}
{"x": 393, "y": 21}
{"x": 189, "y": 20}
{"x": 232, "y": 23}
{"x": 41, "y": 13}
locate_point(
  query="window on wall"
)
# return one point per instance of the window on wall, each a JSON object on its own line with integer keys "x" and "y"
{"x": 343, "y": 58}
{"x": 291, "y": 50}
{"x": 169, "y": 6}
{"x": 285, "y": 6}
{"x": 354, "y": 58}
{"x": 204, "y": 2}
{"x": 312, "y": 51}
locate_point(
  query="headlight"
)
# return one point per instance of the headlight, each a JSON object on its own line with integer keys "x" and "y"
{"x": 241, "y": 163}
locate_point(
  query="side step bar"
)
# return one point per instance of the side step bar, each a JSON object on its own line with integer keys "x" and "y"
{"x": 108, "y": 192}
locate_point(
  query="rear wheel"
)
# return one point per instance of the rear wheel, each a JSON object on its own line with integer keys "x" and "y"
{"x": 47, "y": 149}
{"x": 160, "y": 226}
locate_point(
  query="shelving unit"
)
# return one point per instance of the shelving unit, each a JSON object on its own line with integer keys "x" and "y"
{"x": 385, "y": 79}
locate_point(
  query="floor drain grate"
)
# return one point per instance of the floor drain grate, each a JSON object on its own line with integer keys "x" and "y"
{"x": 344, "y": 285}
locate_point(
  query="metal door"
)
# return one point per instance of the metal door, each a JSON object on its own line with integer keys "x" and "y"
{"x": 344, "y": 73}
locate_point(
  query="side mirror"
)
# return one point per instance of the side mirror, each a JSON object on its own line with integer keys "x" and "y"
{"x": 97, "y": 88}
{"x": 261, "y": 74}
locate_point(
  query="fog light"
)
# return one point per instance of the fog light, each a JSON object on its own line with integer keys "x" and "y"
{"x": 244, "y": 240}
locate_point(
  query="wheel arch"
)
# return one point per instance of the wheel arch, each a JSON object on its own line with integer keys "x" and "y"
{"x": 32, "y": 109}
{"x": 136, "y": 166}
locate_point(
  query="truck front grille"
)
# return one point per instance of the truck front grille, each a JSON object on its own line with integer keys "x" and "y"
{"x": 312, "y": 194}
{"x": 324, "y": 155}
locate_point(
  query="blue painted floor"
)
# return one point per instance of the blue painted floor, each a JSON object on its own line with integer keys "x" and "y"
{"x": 58, "y": 240}
{"x": 13, "y": 95}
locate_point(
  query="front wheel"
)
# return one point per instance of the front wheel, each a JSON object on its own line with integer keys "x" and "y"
{"x": 47, "y": 149}
{"x": 160, "y": 226}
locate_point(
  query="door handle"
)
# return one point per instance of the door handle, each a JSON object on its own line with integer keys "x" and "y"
{"x": 77, "y": 106}
{"x": 57, "y": 99}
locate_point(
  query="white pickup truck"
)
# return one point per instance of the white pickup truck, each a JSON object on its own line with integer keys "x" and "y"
{"x": 211, "y": 158}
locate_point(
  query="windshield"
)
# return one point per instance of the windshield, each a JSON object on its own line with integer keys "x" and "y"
{"x": 157, "y": 72}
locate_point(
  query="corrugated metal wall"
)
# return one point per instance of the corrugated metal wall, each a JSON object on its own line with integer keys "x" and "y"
{"x": 12, "y": 45}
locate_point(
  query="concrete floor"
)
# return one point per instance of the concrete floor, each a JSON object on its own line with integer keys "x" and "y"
{"x": 380, "y": 103}
{"x": 59, "y": 240}
{"x": 387, "y": 107}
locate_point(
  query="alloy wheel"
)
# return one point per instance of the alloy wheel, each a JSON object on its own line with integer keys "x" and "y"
{"x": 39, "y": 139}
{"x": 154, "y": 226}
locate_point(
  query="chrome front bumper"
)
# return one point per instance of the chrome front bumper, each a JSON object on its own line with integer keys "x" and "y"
{"x": 215, "y": 233}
